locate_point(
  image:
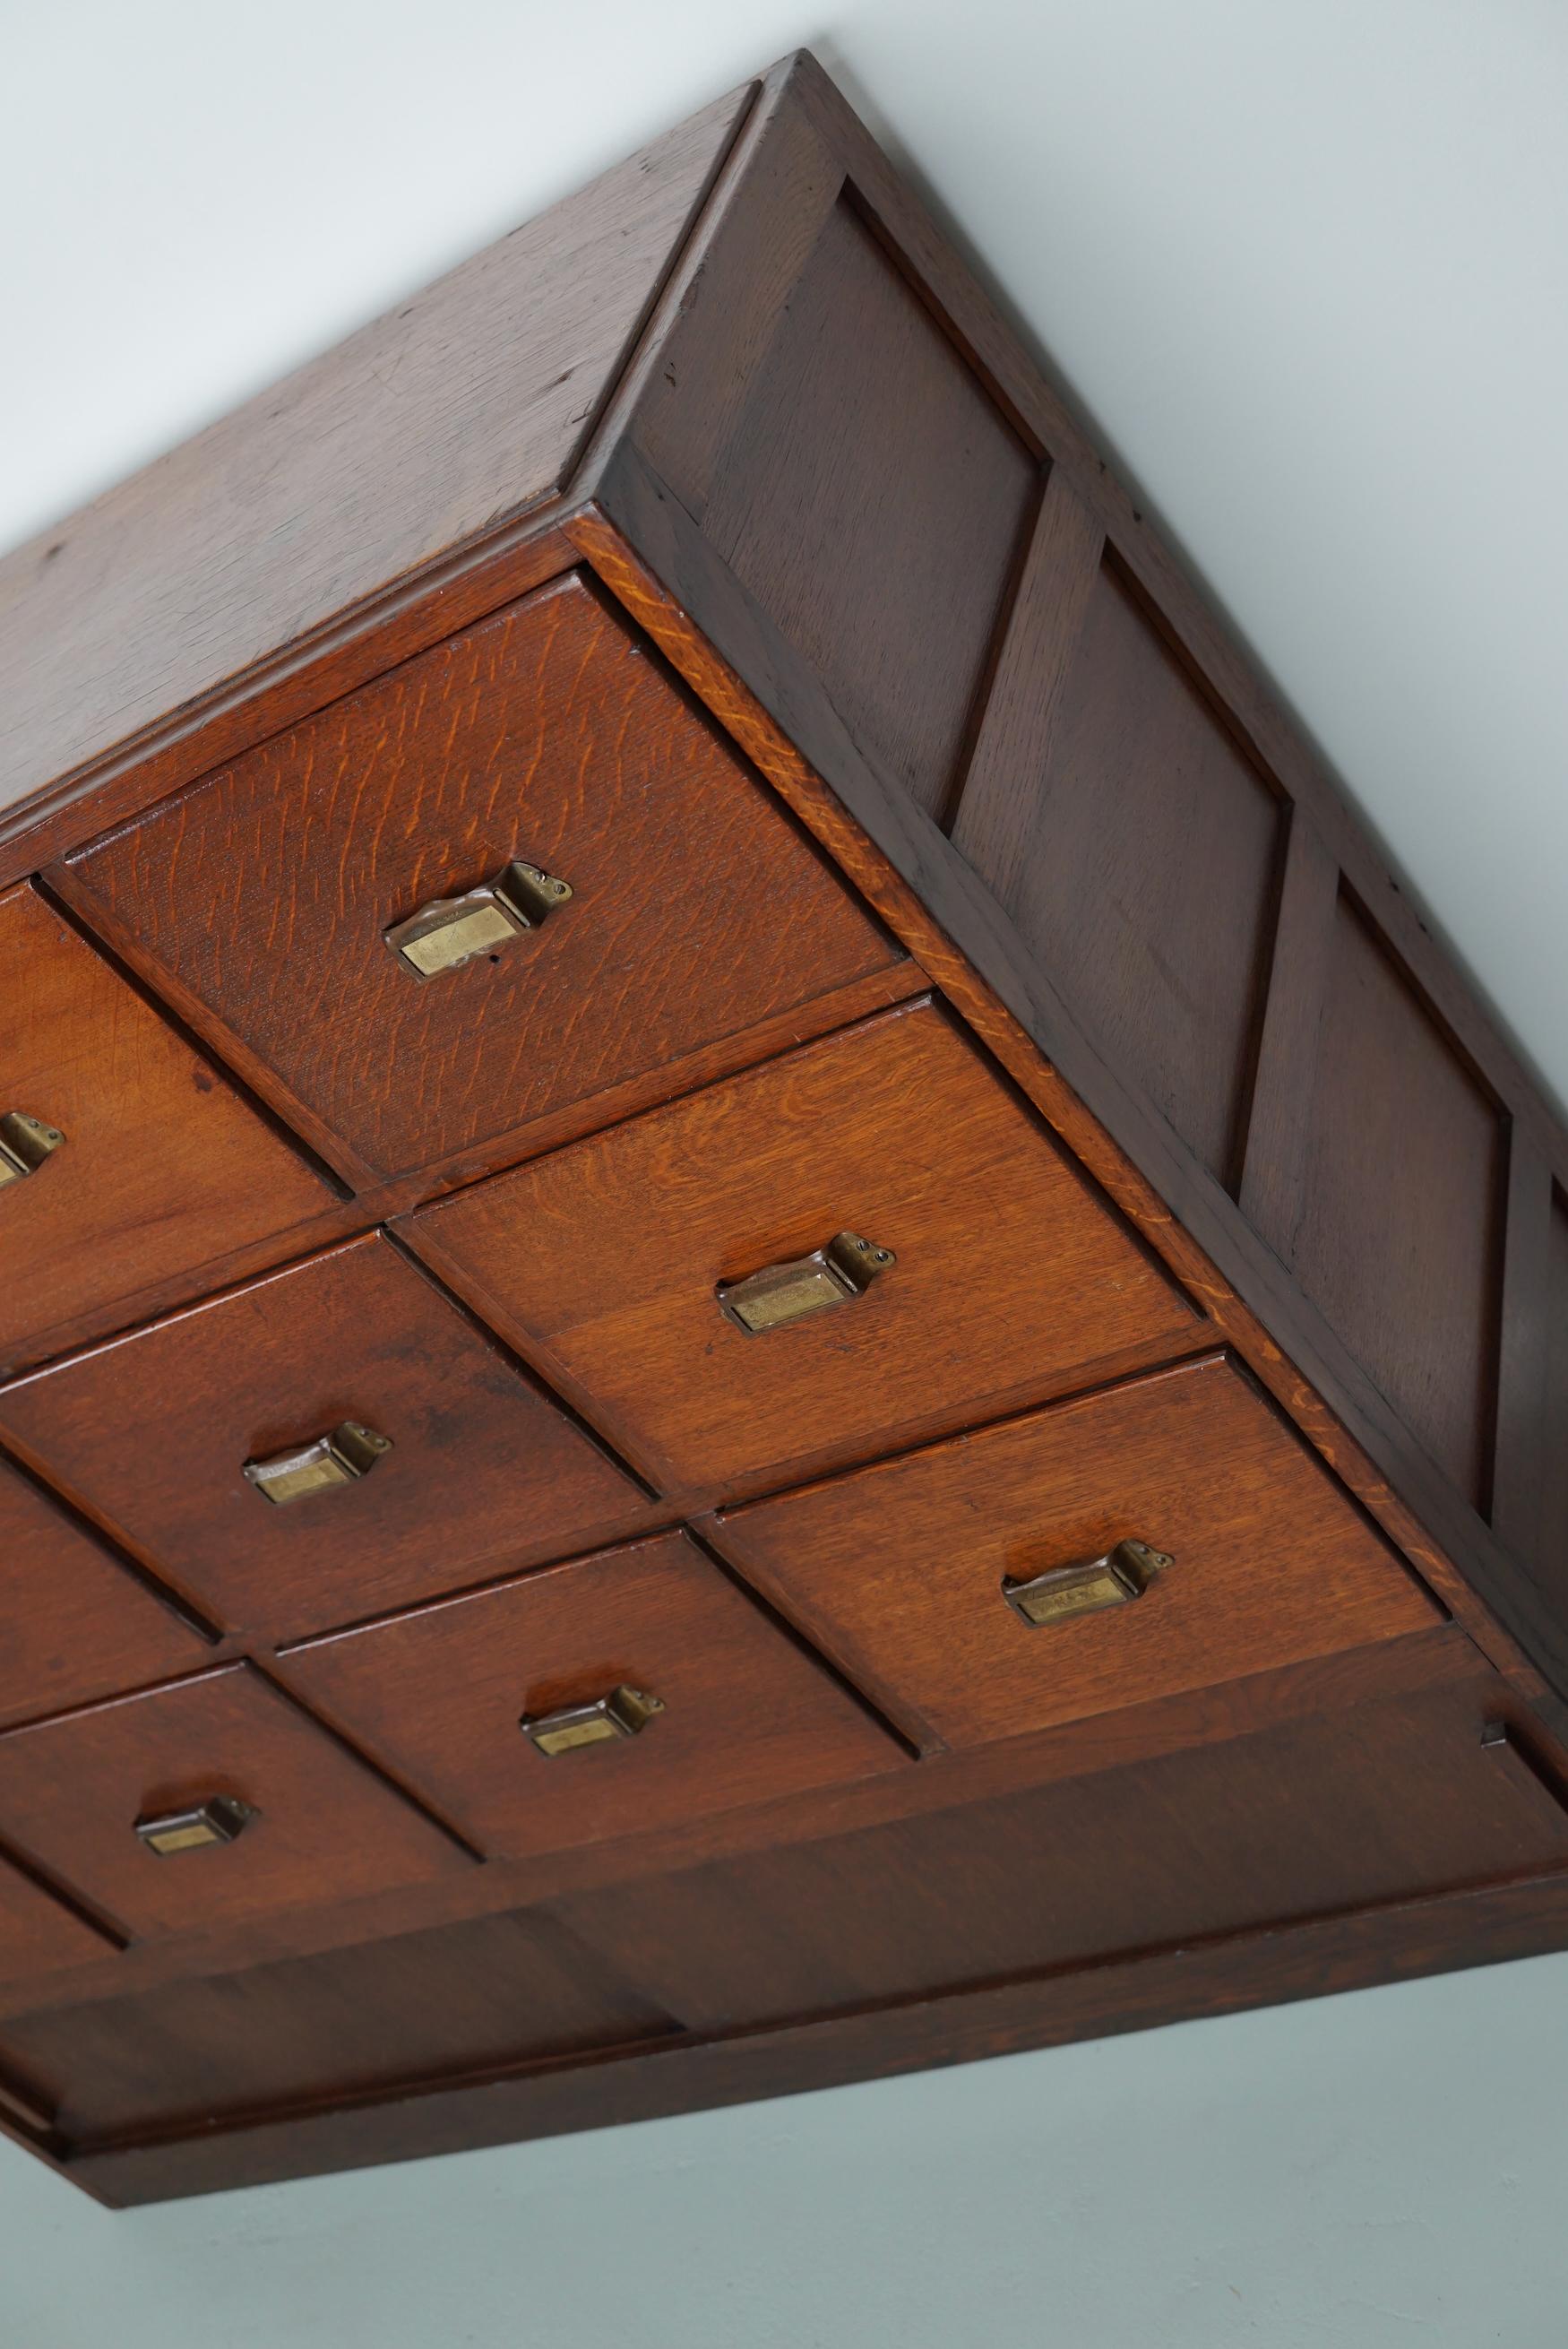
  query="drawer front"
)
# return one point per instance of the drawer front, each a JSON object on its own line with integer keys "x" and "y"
{"x": 743, "y": 1715}
{"x": 38, "y": 1934}
{"x": 1010, "y": 1276}
{"x": 544, "y": 735}
{"x": 74, "y": 1623}
{"x": 212, "y": 1800}
{"x": 162, "y": 1168}
{"x": 154, "y": 1434}
{"x": 899, "y": 1571}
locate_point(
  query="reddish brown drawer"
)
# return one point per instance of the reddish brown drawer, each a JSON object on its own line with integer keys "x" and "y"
{"x": 547, "y": 735}
{"x": 38, "y": 1934}
{"x": 256, "y": 1806}
{"x": 1012, "y": 1277}
{"x": 153, "y": 1435}
{"x": 898, "y": 1570}
{"x": 745, "y": 1716}
{"x": 74, "y": 1623}
{"x": 161, "y": 1169}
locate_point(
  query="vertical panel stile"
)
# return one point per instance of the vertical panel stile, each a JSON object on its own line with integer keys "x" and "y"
{"x": 1522, "y": 1434}
{"x": 1274, "y": 1165}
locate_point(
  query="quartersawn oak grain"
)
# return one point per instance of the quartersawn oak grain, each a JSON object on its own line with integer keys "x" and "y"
{"x": 1012, "y": 1277}
{"x": 164, "y": 1168}
{"x": 548, "y": 733}
{"x": 897, "y": 1569}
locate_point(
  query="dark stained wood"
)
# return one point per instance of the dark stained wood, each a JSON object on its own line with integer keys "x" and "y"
{"x": 72, "y": 1789}
{"x": 75, "y": 1623}
{"x": 150, "y": 1435}
{"x": 439, "y": 1694}
{"x": 1532, "y": 1308}
{"x": 1279, "y": 1128}
{"x": 994, "y": 828}
{"x": 284, "y": 515}
{"x": 545, "y": 733}
{"x": 462, "y": 1999}
{"x": 1552, "y": 1544}
{"x": 1399, "y": 1237}
{"x": 38, "y": 1933}
{"x": 164, "y": 1170}
{"x": 897, "y": 1569}
{"x": 1011, "y": 1280}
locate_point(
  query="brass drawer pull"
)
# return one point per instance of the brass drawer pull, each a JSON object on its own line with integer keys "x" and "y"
{"x": 1123, "y": 1573}
{"x": 218, "y": 1820}
{"x": 846, "y": 1268}
{"x": 452, "y": 931}
{"x": 621, "y": 1713}
{"x": 25, "y": 1144}
{"x": 348, "y": 1452}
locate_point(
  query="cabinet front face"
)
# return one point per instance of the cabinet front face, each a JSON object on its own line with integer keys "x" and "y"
{"x": 124, "y": 1159}
{"x": 39, "y": 1934}
{"x": 207, "y": 1802}
{"x": 1168, "y": 1534}
{"x": 74, "y": 1622}
{"x": 320, "y": 1444}
{"x": 865, "y": 1236}
{"x": 607, "y": 1697}
{"x": 518, "y": 873}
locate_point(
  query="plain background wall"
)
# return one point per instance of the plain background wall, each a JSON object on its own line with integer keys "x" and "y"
{"x": 1304, "y": 263}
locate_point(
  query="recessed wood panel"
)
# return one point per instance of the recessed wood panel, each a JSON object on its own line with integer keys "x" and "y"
{"x": 153, "y": 1431}
{"x": 548, "y": 734}
{"x": 898, "y": 1570}
{"x": 1010, "y": 1273}
{"x": 74, "y": 1623}
{"x": 1399, "y": 1240}
{"x": 1391, "y": 1798}
{"x": 745, "y": 1715}
{"x": 164, "y": 1168}
{"x": 324, "y": 1828}
{"x": 457, "y": 1999}
{"x": 874, "y": 500}
{"x": 1148, "y": 882}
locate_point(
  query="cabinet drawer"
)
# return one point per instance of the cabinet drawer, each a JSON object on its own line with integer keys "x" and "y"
{"x": 209, "y": 1801}
{"x": 443, "y": 1694}
{"x": 899, "y": 1571}
{"x": 161, "y": 1169}
{"x": 74, "y": 1624}
{"x": 1009, "y": 1277}
{"x": 154, "y": 1434}
{"x": 38, "y": 1934}
{"x": 544, "y": 735}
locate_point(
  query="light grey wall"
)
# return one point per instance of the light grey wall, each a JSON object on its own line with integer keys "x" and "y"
{"x": 1379, "y": 2171}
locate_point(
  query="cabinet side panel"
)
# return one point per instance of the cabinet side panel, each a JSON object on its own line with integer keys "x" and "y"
{"x": 1553, "y": 1548}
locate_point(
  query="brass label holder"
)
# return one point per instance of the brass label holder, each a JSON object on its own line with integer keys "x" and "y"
{"x": 340, "y": 1457}
{"x": 452, "y": 931}
{"x": 1123, "y": 1574}
{"x": 623, "y": 1712}
{"x": 25, "y": 1144}
{"x": 780, "y": 1293}
{"x": 219, "y": 1820}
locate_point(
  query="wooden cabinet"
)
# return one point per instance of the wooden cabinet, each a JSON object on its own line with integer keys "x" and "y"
{"x": 1009, "y": 1277}
{"x": 171, "y": 1435}
{"x": 207, "y": 1802}
{"x": 764, "y": 1313}
{"x": 975, "y": 1585}
{"x": 548, "y": 737}
{"x": 145, "y": 1166}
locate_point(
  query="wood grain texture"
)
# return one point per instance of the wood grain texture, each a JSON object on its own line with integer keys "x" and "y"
{"x": 874, "y": 500}
{"x": 1531, "y": 1310}
{"x": 38, "y": 1933}
{"x": 1011, "y": 1275}
{"x": 71, "y": 1790}
{"x": 75, "y": 1623}
{"x": 458, "y": 2000}
{"x": 150, "y": 1434}
{"x": 302, "y": 503}
{"x": 164, "y": 1169}
{"x": 1279, "y": 1127}
{"x": 747, "y": 1715}
{"x": 897, "y": 1569}
{"x": 1400, "y": 1238}
{"x": 545, "y": 733}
